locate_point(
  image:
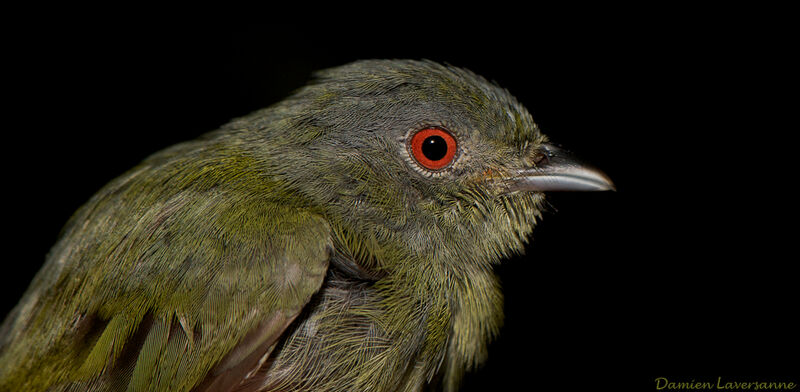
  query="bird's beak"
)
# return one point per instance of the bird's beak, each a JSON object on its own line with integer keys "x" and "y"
{"x": 557, "y": 170}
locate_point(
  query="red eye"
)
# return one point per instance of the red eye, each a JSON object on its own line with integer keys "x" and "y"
{"x": 433, "y": 148}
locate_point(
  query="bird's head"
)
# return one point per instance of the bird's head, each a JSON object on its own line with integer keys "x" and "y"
{"x": 419, "y": 156}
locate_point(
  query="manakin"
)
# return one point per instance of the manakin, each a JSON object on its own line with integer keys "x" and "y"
{"x": 340, "y": 240}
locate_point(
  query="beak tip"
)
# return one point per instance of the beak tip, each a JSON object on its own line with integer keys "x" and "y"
{"x": 609, "y": 185}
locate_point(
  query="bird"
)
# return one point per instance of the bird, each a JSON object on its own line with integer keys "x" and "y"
{"x": 342, "y": 239}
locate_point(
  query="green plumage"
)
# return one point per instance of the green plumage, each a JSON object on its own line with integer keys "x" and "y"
{"x": 298, "y": 248}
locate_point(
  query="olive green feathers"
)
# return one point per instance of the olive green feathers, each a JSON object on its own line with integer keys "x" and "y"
{"x": 314, "y": 245}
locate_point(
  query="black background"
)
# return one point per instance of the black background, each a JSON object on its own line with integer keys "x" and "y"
{"x": 682, "y": 273}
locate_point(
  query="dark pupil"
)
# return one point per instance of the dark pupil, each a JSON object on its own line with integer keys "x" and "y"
{"x": 434, "y": 148}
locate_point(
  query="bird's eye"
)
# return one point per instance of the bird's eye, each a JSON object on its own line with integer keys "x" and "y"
{"x": 433, "y": 148}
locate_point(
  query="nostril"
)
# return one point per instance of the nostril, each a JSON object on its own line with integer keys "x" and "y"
{"x": 541, "y": 158}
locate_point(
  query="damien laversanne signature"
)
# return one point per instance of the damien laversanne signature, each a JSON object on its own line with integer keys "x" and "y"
{"x": 662, "y": 383}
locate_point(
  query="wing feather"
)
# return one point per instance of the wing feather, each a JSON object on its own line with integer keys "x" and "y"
{"x": 217, "y": 274}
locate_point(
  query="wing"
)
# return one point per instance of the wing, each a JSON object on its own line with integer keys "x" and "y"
{"x": 154, "y": 292}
